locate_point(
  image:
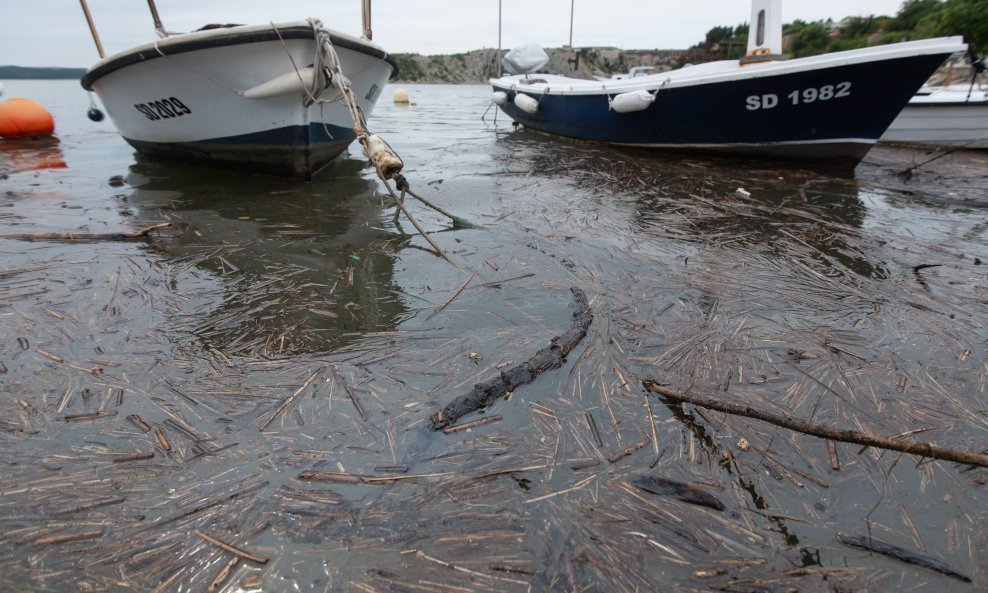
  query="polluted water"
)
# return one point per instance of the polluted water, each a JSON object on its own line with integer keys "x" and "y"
{"x": 252, "y": 395}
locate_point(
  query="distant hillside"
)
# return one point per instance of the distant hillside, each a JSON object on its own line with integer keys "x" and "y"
{"x": 22, "y": 73}
{"x": 916, "y": 19}
{"x": 477, "y": 66}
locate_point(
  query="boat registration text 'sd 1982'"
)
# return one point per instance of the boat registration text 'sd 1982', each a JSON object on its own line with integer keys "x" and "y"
{"x": 800, "y": 97}
{"x": 163, "y": 109}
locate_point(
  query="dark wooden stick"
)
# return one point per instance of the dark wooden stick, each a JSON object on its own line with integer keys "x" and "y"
{"x": 593, "y": 429}
{"x": 124, "y": 236}
{"x": 879, "y": 547}
{"x": 484, "y": 394}
{"x": 824, "y": 432}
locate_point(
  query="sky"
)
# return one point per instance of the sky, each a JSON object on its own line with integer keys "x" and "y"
{"x": 55, "y": 33}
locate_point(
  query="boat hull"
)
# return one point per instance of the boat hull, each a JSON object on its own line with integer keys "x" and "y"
{"x": 951, "y": 116}
{"x": 186, "y": 98}
{"x": 830, "y": 110}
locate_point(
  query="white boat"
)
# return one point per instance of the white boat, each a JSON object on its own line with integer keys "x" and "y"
{"x": 265, "y": 98}
{"x": 954, "y": 115}
{"x": 633, "y": 72}
{"x": 831, "y": 107}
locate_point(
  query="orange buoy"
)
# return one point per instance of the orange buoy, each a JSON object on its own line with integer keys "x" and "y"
{"x": 20, "y": 118}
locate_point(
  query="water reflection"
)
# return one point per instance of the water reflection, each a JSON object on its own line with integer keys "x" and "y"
{"x": 775, "y": 209}
{"x": 272, "y": 267}
{"x": 30, "y": 154}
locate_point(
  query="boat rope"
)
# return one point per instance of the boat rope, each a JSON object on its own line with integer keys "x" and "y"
{"x": 908, "y": 173}
{"x": 194, "y": 70}
{"x": 386, "y": 161}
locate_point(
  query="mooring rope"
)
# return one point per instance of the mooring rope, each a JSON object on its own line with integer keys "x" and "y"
{"x": 386, "y": 161}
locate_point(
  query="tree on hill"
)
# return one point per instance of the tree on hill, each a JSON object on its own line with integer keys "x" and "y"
{"x": 968, "y": 18}
{"x": 916, "y": 19}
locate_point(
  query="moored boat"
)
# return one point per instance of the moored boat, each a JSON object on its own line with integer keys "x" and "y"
{"x": 830, "y": 107}
{"x": 266, "y": 98}
{"x": 953, "y": 115}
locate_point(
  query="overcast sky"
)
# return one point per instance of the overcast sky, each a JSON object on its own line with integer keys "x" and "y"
{"x": 54, "y": 32}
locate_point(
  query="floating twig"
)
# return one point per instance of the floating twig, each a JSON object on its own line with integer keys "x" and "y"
{"x": 136, "y": 421}
{"x": 284, "y": 405}
{"x": 92, "y": 504}
{"x": 223, "y": 574}
{"x": 452, "y": 298}
{"x": 349, "y": 392}
{"x": 61, "y": 538}
{"x": 614, "y": 458}
{"x": 471, "y": 424}
{"x": 88, "y": 416}
{"x": 139, "y": 456}
{"x": 592, "y": 424}
{"x": 122, "y": 236}
{"x": 824, "y": 432}
{"x": 232, "y": 549}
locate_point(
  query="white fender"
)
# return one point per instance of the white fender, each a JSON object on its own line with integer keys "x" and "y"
{"x": 633, "y": 101}
{"x": 526, "y": 103}
{"x": 500, "y": 98}
{"x": 282, "y": 85}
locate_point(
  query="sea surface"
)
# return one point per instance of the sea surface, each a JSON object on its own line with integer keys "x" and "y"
{"x": 263, "y": 372}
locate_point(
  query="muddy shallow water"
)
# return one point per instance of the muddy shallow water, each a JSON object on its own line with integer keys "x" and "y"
{"x": 160, "y": 396}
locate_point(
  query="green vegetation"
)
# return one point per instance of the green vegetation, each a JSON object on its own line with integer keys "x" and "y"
{"x": 408, "y": 67}
{"x": 916, "y": 19}
{"x": 21, "y": 73}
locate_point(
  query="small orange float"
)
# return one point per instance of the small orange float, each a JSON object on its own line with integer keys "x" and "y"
{"x": 21, "y": 118}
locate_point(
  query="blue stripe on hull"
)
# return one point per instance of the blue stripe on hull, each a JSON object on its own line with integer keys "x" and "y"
{"x": 716, "y": 116}
{"x": 295, "y": 151}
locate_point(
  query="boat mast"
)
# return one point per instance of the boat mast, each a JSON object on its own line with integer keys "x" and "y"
{"x": 92, "y": 29}
{"x": 157, "y": 20}
{"x": 497, "y": 58}
{"x": 572, "y": 5}
{"x": 366, "y": 6}
{"x": 574, "y": 61}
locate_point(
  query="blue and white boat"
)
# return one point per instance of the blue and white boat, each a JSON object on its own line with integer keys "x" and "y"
{"x": 265, "y": 98}
{"x": 831, "y": 107}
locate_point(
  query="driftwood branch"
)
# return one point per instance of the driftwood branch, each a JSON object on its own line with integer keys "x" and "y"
{"x": 124, "y": 236}
{"x": 873, "y": 545}
{"x": 824, "y": 432}
{"x": 484, "y": 394}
